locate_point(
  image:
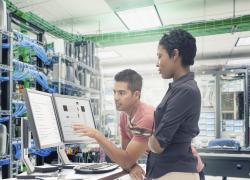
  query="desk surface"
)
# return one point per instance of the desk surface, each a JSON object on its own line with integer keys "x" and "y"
{"x": 70, "y": 174}
{"x": 224, "y": 155}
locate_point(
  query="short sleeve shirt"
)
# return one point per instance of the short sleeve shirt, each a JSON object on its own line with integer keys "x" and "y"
{"x": 143, "y": 118}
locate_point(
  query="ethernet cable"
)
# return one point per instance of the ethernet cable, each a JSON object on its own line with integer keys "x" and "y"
{"x": 20, "y": 36}
{"x": 5, "y": 46}
{"x": 24, "y": 71}
{"x": 40, "y": 52}
{"x": 20, "y": 109}
{"x": 40, "y": 152}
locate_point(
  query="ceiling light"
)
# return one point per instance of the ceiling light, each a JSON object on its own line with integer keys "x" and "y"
{"x": 140, "y": 18}
{"x": 107, "y": 54}
{"x": 243, "y": 41}
{"x": 239, "y": 62}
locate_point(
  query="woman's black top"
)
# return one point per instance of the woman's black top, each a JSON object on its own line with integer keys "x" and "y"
{"x": 176, "y": 124}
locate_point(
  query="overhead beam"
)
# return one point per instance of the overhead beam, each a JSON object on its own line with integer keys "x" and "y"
{"x": 202, "y": 28}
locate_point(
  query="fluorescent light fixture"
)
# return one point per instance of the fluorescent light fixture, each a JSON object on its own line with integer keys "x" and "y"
{"x": 243, "y": 41}
{"x": 107, "y": 54}
{"x": 140, "y": 18}
{"x": 239, "y": 62}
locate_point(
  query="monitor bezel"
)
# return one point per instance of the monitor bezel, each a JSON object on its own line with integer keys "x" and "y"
{"x": 58, "y": 117}
{"x": 31, "y": 119}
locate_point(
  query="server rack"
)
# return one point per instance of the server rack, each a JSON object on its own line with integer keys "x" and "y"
{"x": 6, "y": 94}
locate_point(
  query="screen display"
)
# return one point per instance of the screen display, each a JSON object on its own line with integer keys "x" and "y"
{"x": 72, "y": 110}
{"x": 42, "y": 119}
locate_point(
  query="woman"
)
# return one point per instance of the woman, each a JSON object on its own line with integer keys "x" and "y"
{"x": 176, "y": 117}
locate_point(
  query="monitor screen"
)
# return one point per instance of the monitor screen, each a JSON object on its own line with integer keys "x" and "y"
{"x": 42, "y": 118}
{"x": 72, "y": 110}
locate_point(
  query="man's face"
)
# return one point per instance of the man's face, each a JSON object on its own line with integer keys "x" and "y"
{"x": 165, "y": 63}
{"x": 124, "y": 98}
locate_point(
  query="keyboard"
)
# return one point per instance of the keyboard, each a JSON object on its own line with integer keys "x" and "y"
{"x": 95, "y": 168}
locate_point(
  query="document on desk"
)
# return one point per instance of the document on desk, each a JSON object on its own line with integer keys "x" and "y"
{"x": 45, "y": 119}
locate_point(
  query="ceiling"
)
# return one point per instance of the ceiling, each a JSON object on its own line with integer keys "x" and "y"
{"x": 98, "y": 17}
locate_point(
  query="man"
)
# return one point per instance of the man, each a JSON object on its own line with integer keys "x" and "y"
{"x": 136, "y": 124}
{"x": 136, "y": 121}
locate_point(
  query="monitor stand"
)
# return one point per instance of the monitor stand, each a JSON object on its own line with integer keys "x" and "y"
{"x": 25, "y": 135}
{"x": 32, "y": 171}
{"x": 66, "y": 163}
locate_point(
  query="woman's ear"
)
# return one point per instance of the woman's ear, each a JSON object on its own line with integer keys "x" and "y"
{"x": 176, "y": 54}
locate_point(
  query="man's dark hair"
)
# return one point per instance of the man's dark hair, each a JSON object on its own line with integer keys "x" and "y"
{"x": 130, "y": 76}
{"x": 183, "y": 41}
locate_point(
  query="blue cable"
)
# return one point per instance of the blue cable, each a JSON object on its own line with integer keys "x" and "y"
{"x": 20, "y": 36}
{"x": 21, "y": 66}
{"x": 4, "y": 78}
{"x": 23, "y": 71}
{"x": 26, "y": 41}
{"x": 4, "y": 37}
{"x": 20, "y": 109}
{"x": 4, "y": 119}
{"x": 5, "y": 46}
{"x": 40, "y": 52}
{"x": 4, "y": 161}
{"x": 16, "y": 150}
{"x": 40, "y": 152}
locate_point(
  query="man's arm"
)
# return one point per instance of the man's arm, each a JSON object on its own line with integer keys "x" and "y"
{"x": 124, "y": 158}
{"x": 124, "y": 143}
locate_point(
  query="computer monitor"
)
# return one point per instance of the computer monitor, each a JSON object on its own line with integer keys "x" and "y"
{"x": 42, "y": 118}
{"x": 71, "y": 110}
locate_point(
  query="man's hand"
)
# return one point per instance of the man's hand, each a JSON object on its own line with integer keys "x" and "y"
{"x": 137, "y": 173}
{"x": 200, "y": 164}
{"x": 83, "y": 130}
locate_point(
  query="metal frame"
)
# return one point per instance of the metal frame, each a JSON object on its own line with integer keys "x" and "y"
{"x": 6, "y": 93}
{"x": 218, "y": 106}
{"x": 25, "y": 146}
{"x": 246, "y": 106}
{"x": 217, "y": 74}
{"x": 20, "y": 21}
{"x": 246, "y": 110}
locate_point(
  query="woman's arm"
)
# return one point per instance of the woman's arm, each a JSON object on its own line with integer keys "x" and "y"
{"x": 154, "y": 145}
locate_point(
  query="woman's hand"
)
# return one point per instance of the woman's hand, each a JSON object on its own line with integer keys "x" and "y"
{"x": 83, "y": 130}
{"x": 137, "y": 173}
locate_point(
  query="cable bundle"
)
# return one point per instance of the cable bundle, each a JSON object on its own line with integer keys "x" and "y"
{"x": 4, "y": 161}
{"x": 40, "y": 152}
{"x": 40, "y": 52}
{"x": 16, "y": 148}
{"x": 23, "y": 71}
{"x": 26, "y": 41}
{"x": 20, "y": 109}
{"x": 5, "y": 46}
